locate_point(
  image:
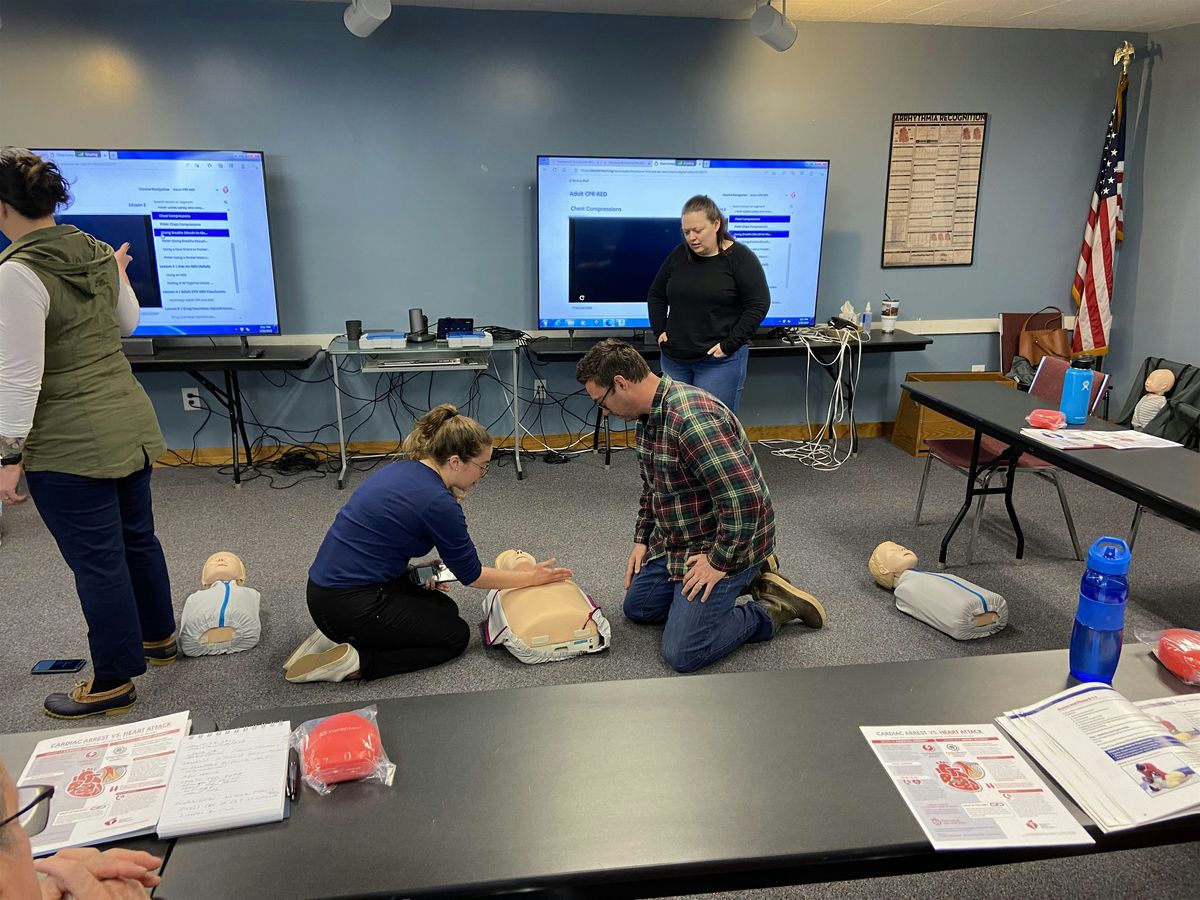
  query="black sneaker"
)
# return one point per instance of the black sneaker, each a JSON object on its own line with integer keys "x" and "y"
{"x": 81, "y": 702}
{"x": 161, "y": 653}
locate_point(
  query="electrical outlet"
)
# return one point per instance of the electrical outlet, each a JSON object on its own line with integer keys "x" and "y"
{"x": 978, "y": 367}
{"x": 191, "y": 399}
{"x": 539, "y": 390}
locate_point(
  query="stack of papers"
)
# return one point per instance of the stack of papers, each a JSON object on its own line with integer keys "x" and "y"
{"x": 115, "y": 783}
{"x": 969, "y": 788}
{"x": 1077, "y": 439}
{"x": 1126, "y": 764}
{"x": 109, "y": 784}
{"x": 227, "y": 779}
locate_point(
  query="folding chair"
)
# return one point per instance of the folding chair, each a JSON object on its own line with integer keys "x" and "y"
{"x": 956, "y": 453}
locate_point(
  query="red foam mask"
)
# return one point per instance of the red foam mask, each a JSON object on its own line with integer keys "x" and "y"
{"x": 344, "y": 747}
{"x": 1047, "y": 418}
{"x": 1179, "y": 651}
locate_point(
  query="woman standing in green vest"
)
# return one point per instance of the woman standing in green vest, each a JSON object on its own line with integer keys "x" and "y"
{"x": 76, "y": 420}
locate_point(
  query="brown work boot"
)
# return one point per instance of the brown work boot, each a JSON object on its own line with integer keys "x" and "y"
{"x": 785, "y": 602}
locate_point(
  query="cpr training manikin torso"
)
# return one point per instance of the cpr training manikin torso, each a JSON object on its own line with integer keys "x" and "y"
{"x": 224, "y": 615}
{"x": 960, "y": 608}
{"x": 544, "y": 623}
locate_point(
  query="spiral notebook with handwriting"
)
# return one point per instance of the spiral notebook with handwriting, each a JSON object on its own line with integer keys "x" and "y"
{"x": 227, "y": 779}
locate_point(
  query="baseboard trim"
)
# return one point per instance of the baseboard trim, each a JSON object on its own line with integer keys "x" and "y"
{"x": 221, "y": 456}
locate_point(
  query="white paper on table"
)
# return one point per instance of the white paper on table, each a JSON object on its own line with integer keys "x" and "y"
{"x": 109, "y": 783}
{"x": 1125, "y": 764}
{"x": 970, "y": 789}
{"x": 1084, "y": 439}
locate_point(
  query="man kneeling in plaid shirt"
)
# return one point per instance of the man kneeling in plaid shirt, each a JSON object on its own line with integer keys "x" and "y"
{"x": 705, "y": 530}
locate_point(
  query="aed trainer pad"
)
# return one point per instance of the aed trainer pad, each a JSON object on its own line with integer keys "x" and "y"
{"x": 453, "y": 326}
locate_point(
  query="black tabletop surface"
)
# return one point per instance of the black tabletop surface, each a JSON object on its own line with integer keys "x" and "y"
{"x": 637, "y": 787}
{"x": 1165, "y": 480}
{"x": 274, "y": 356}
{"x": 550, "y": 349}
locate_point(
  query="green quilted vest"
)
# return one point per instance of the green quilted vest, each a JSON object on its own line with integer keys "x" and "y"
{"x": 92, "y": 416}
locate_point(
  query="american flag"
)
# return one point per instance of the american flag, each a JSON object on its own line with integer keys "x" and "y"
{"x": 1105, "y": 228}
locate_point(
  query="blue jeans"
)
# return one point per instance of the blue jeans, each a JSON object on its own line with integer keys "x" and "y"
{"x": 104, "y": 528}
{"x": 697, "y": 633}
{"x": 724, "y": 378}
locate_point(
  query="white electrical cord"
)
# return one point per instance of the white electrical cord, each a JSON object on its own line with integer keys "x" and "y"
{"x": 821, "y": 452}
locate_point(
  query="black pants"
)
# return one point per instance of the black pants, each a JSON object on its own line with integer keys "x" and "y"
{"x": 395, "y": 627}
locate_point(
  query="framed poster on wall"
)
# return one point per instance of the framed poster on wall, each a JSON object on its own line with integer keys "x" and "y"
{"x": 933, "y": 189}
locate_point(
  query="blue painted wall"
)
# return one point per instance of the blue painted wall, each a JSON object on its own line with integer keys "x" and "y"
{"x": 401, "y": 167}
{"x": 1157, "y": 308}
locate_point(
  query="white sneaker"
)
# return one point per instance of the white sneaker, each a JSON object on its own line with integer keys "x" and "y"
{"x": 314, "y": 643}
{"x": 333, "y": 664}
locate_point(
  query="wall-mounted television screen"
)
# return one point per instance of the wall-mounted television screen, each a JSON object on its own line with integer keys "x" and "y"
{"x": 197, "y": 225}
{"x": 605, "y": 225}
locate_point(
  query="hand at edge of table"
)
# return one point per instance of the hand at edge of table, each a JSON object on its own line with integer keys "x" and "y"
{"x": 84, "y": 873}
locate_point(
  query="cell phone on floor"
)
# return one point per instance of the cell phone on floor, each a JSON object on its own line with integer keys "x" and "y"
{"x": 57, "y": 666}
{"x": 422, "y": 574}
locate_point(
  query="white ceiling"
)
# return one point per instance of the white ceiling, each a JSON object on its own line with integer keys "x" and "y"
{"x": 1087, "y": 15}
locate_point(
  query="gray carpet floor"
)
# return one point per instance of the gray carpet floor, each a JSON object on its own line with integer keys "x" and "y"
{"x": 583, "y": 515}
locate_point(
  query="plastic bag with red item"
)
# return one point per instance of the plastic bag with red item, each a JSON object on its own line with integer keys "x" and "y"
{"x": 343, "y": 747}
{"x": 1047, "y": 418}
{"x": 1178, "y": 649}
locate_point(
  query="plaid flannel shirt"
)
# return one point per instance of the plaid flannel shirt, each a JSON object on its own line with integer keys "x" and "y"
{"x": 702, "y": 489}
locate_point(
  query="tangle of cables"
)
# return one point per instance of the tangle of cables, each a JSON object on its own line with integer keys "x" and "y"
{"x": 825, "y": 451}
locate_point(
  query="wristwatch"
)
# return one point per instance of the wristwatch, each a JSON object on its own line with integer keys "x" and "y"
{"x": 10, "y": 460}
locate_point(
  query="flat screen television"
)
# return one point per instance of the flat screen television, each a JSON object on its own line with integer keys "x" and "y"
{"x": 197, "y": 224}
{"x": 605, "y": 225}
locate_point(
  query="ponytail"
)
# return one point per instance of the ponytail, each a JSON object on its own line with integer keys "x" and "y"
{"x": 444, "y": 432}
{"x": 32, "y": 186}
{"x": 702, "y": 203}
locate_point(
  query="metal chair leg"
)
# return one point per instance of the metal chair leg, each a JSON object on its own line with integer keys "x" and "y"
{"x": 1133, "y": 529}
{"x": 987, "y": 480}
{"x": 1062, "y": 498}
{"x": 921, "y": 492}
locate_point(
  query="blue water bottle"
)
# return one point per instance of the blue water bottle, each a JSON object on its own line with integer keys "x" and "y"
{"x": 1100, "y": 617}
{"x": 1077, "y": 390}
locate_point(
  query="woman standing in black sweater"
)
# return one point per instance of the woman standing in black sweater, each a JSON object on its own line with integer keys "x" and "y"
{"x": 706, "y": 302}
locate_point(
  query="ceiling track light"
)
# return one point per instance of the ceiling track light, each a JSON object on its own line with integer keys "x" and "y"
{"x": 362, "y": 17}
{"x": 773, "y": 27}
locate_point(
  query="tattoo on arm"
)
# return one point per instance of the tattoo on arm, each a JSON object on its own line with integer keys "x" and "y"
{"x": 10, "y": 446}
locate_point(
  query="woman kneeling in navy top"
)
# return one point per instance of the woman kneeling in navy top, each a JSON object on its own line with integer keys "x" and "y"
{"x": 372, "y": 618}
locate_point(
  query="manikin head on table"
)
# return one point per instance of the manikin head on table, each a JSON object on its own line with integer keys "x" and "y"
{"x": 222, "y": 566}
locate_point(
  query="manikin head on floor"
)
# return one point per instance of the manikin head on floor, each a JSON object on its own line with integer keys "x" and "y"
{"x": 222, "y": 566}
{"x": 887, "y": 561}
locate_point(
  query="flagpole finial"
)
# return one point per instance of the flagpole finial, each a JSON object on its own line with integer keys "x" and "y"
{"x": 1123, "y": 55}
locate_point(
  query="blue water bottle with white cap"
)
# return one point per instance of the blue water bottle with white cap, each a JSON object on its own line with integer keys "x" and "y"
{"x": 1100, "y": 617}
